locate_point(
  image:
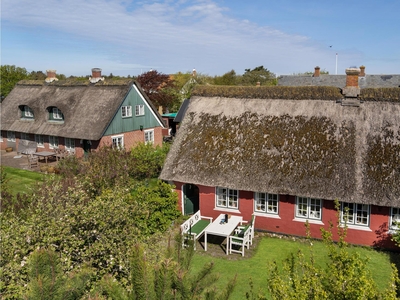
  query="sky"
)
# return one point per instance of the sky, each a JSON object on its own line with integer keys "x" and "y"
{"x": 127, "y": 37}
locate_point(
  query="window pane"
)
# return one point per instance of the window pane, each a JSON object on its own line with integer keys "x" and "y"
{"x": 395, "y": 217}
{"x": 301, "y": 210}
{"x": 261, "y": 202}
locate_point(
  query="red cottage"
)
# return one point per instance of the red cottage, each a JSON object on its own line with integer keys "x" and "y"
{"x": 286, "y": 153}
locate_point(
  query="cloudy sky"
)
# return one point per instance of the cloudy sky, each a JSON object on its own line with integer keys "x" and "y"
{"x": 127, "y": 37}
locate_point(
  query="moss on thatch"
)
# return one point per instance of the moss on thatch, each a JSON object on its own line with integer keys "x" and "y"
{"x": 77, "y": 82}
{"x": 269, "y": 92}
{"x": 380, "y": 94}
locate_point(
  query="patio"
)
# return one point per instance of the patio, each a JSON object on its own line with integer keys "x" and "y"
{"x": 19, "y": 161}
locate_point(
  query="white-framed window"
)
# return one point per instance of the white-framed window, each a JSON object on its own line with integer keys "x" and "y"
{"x": 57, "y": 114}
{"x": 118, "y": 141}
{"x": 309, "y": 208}
{"x": 227, "y": 198}
{"x": 24, "y": 136}
{"x": 28, "y": 112}
{"x": 1, "y": 137}
{"x": 126, "y": 111}
{"x": 139, "y": 110}
{"x": 394, "y": 218}
{"x": 39, "y": 139}
{"x": 149, "y": 136}
{"x": 70, "y": 145}
{"x": 266, "y": 203}
{"x": 11, "y": 136}
{"x": 354, "y": 214}
{"x": 53, "y": 142}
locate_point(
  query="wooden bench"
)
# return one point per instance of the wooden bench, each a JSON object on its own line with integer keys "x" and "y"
{"x": 193, "y": 228}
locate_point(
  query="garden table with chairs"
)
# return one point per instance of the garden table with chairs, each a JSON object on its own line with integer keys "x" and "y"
{"x": 222, "y": 228}
{"x": 44, "y": 154}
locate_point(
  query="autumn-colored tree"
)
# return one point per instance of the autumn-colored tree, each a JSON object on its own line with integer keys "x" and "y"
{"x": 159, "y": 87}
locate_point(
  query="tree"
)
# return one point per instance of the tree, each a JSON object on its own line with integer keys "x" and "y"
{"x": 229, "y": 78}
{"x": 258, "y": 74}
{"x": 160, "y": 88}
{"x": 9, "y": 77}
{"x": 167, "y": 278}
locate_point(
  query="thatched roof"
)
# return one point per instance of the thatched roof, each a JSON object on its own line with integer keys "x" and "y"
{"x": 88, "y": 108}
{"x": 367, "y": 81}
{"x": 315, "y": 148}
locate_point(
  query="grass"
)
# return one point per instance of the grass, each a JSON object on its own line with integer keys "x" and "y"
{"x": 268, "y": 250}
{"x": 21, "y": 181}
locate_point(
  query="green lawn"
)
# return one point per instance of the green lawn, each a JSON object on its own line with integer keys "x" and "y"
{"x": 271, "y": 249}
{"x": 21, "y": 181}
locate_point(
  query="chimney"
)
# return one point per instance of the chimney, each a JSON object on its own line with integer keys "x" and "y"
{"x": 160, "y": 110}
{"x": 51, "y": 76}
{"x": 194, "y": 73}
{"x": 96, "y": 75}
{"x": 316, "y": 71}
{"x": 362, "y": 71}
{"x": 351, "y": 90}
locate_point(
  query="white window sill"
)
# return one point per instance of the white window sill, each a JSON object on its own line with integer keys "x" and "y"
{"x": 357, "y": 227}
{"x": 228, "y": 210}
{"x": 267, "y": 215}
{"x": 311, "y": 221}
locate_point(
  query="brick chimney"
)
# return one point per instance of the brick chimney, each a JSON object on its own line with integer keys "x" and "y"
{"x": 351, "y": 90}
{"x": 51, "y": 76}
{"x": 316, "y": 71}
{"x": 362, "y": 71}
{"x": 96, "y": 75}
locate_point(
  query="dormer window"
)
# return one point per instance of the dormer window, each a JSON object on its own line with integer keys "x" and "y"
{"x": 26, "y": 112}
{"x": 55, "y": 114}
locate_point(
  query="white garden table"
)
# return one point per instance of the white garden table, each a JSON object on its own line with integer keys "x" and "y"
{"x": 224, "y": 229}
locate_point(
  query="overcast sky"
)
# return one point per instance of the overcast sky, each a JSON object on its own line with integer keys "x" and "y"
{"x": 126, "y": 37}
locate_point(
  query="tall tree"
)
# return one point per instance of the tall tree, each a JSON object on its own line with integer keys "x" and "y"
{"x": 229, "y": 78}
{"x": 258, "y": 74}
{"x": 159, "y": 87}
{"x": 9, "y": 76}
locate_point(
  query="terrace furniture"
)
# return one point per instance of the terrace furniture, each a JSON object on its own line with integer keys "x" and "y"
{"x": 60, "y": 153}
{"x": 33, "y": 161}
{"x": 44, "y": 154}
{"x": 221, "y": 228}
{"x": 241, "y": 240}
{"x": 251, "y": 224}
{"x": 193, "y": 228}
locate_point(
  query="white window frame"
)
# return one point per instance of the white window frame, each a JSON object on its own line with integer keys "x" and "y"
{"x": 308, "y": 208}
{"x": 39, "y": 139}
{"x": 139, "y": 110}
{"x": 126, "y": 111}
{"x": 227, "y": 198}
{"x": 149, "y": 136}
{"x": 53, "y": 142}
{"x": 117, "y": 141}
{"x": 24, "y": 136}
{"x": 357, "y": 215}
{"x": 28, "y": 112}
{"x": 1, "y": 137}
{"x": 394, "y": 218}
{"x": 70, "y": 145}
{"x": 57, "y": 114}
{"x": 11, "y": 136}
{"x": 266, "y": 203}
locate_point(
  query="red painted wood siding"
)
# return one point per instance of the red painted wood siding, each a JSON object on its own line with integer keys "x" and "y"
{"x": 374, "y": 235}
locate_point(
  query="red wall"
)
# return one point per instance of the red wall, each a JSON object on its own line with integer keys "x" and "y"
{"x": 375, "y": 235}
